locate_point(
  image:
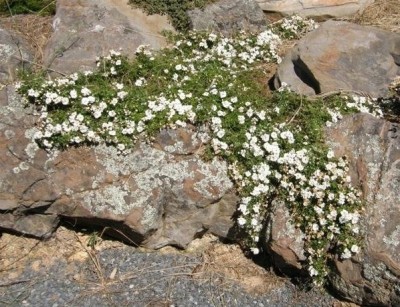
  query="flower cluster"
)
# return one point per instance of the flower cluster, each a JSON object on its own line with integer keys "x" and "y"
{"x": 321, "y": 200}
{"x": 294, "y": 26}
{"x": 355, "y": 103}
{"x": 211, "y": 81}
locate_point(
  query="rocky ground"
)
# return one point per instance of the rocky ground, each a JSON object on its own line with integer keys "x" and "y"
{"x": 66, "y": 270}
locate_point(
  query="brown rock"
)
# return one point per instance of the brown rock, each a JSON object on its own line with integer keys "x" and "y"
{"x": 153, "y": 195}
{"x": 37, "y": 225}
{"x": 84, "y": 29}
{"x": 314, "y": 8}
{"x": 342, "y": 56}
{"x": 14, "y": 54}
{"x": 283, "y": 241}
{"x": 373, "y": 150}
{"x": 229, "y": 17}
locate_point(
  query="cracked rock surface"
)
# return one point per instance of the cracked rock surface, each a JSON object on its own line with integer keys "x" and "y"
{"x": 342, "y": 56}
{"x": 152, "y": 196}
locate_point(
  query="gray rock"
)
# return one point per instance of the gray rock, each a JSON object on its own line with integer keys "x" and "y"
{"x": 154, "y": 195}
{"x": 284, "y": 242}
{"x": 373, "y": 150}
{"x": 314, "y": 8}
{"x": 229, "y": 16}
{"x": 14, "y": 54}
{"x": 84, "y": 29}
{"x": 36, "y": 225}
{"x": 342, "y": 56}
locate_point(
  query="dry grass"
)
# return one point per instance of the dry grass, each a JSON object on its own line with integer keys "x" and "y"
{"x": 34, "y": 28}
{"x": 384, "y": 14}
{"x": 227, "y": 265}
{"x": 18, "y": 252}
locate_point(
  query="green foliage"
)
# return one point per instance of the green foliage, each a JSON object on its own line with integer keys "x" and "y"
{"x": 273, "y": 144}
{"x": 175, "y": 9}
{"x": 14, "y": 7}
{"x": 93, "y": 240}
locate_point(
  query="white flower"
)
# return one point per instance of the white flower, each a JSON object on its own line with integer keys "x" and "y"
{"x": 139, "y": 82}
{"x": 241, "y": 119}
{"x": 119, "y": 86}
{"x": 255, "y": 250}
{"x": 355, "y": 249}
{"x": 222, "y": 94}
{"x": 346, "y": 254}
{"x": 312, "y": 271}
{"x": 33, "y": 93}
{"x": 221, "y": 133}
{"x": 330, "y": 154}
{"x": 241, "y": 221}
{"x": 73, "y": 94}
{"x": 85, "y": 92}
{"x": 122, "y": 94}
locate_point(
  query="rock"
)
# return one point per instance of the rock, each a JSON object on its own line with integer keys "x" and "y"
{"x": 342, "y": 56}
{"x": 229, "y": 16}
{"x": 314, "y": 8}
{"x": 373, "y": 150}
{"x": 284, "y": 242}
{"x": 84, "y": 29}
{"x": 14, "y": 54}
{"x": 371, "y": 278}
{"x": 37, "y": 225}
{"x": 156, "y": 195}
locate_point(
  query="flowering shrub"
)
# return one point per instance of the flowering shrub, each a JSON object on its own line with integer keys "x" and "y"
{"x": 294, "y": 26}
{"x": 274, "y": 144}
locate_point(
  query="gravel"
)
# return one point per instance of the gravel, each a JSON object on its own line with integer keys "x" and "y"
{"x": 128, "y": 277}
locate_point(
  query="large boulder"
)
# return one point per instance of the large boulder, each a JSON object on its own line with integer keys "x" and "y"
{"x": 342, "y": 56}
{"x": 156, "y": 195}
{"x": 15, "y": 54}
{"x": 84, "y": 29}
{"x": 229, "y": 17}
{"x": 314, "y": 8}
{"x": 373, "y": 150}
{"x": 371, "y": 278}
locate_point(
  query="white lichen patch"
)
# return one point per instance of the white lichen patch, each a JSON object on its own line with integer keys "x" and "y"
{"x": 215, "y": 179}
{"x": 6, "y": 51}
{"x": 149, "y": 216}
{"x": 9, "y": 134}
{"x": 24, "y": 166}
{"x": 31, "y": 150}
{"x": 178, "y": 148}
{"x": 51, "y": 156}
{"x": 178, "y": 171}
{"x": 132, "y": 162}
{"x": 111, "y": 198}
{"x": 374, "y": 272}
{"x": 394, "y": 238}
{"x": 30, "y": 133}
{"x": 115, "y": 199}
{"x": 16, "y": 105}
